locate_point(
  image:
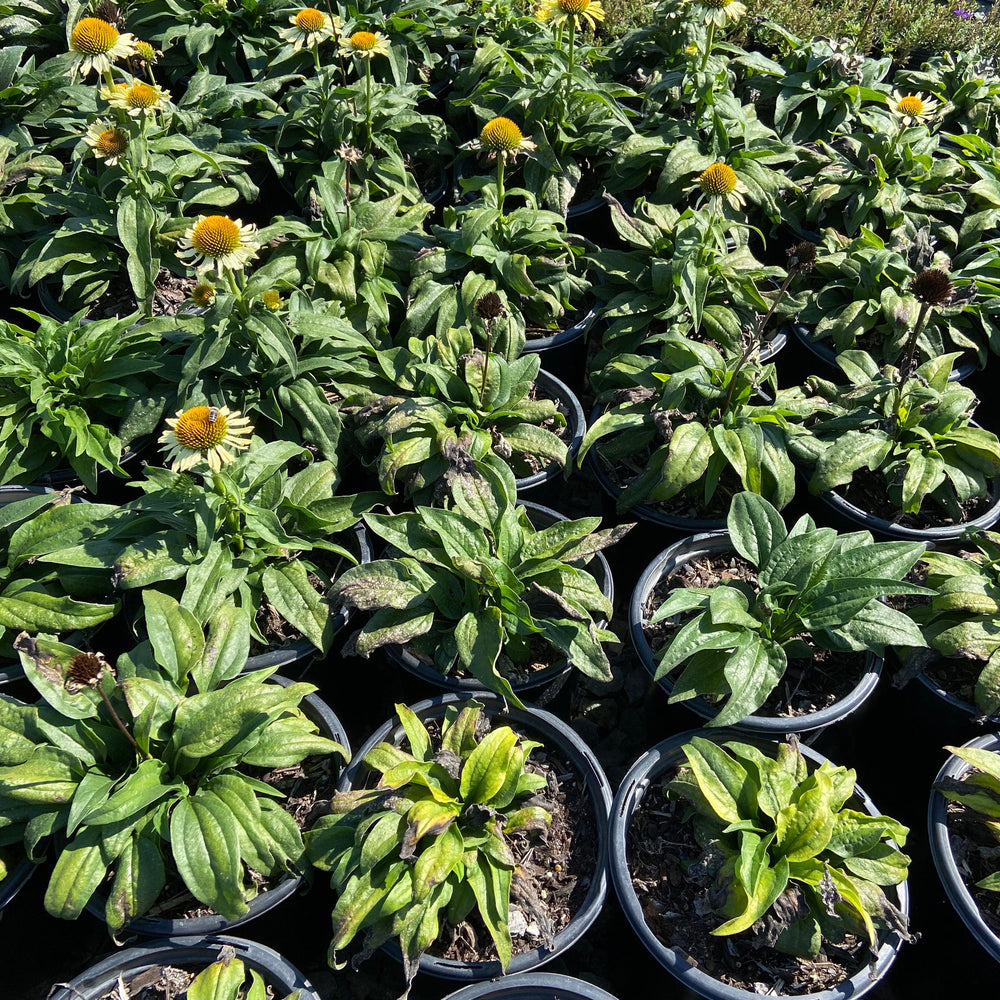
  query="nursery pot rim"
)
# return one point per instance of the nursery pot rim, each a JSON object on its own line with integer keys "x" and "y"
{"x": 158, "y": 928}
{"x": 764, "y": 725}
{"x": 939, "y": 837}
{"x": 631, "y": 792}
{"x": 825, "y": 353}
{"x": 576, "y": 424}
{"x": 303, "y": 649}
{"x": 275, "y": 969}
{"x": 449, "y": 682}
{"x": 569, "y": 335}
{"x": 533, "y": 986}
{"x": 940, "y": 533}
{"x": 596, "y": 783}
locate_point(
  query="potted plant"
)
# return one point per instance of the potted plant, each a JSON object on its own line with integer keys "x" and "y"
{"x": 803, "y": 599}
{"x": 780, "y": 861}
{"x": 220, "y": 968}
{"x": 532, "y": 986}
{"x": 160, "y": 768}
{"x": 420, "y": 414}
{"x": 902, "y": 444}
{"x": 78, "y": 394}
{"x": 958, "y": 621}
{"x": 447, "y": 815}
{"x": 962, "y": 824}
{"x": 35, "y": 597}
{"x": 684, "y": 433}
{"x": 521, "y": 607}
{"x": 264, "y": 540}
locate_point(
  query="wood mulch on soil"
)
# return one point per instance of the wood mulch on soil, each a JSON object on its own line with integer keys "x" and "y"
{"x": 678, "y": 884}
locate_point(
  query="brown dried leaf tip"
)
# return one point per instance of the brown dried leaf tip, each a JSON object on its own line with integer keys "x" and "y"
{"x": 802, "y": 256}
{"x": 933, "y": 287}
{"x": 490, "y": 306}
{"x": 85, "y": 670}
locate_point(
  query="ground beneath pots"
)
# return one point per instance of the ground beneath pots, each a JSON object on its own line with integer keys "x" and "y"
{"x": 676, "y": 881}
{"x": 977, "y": 855}
{"x": 867, "y": 491}
{"x": 808, "y": 685}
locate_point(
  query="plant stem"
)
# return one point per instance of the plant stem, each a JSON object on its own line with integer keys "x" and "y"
{"x": 905, "y": 362}
{"x": 709, "y": 42}
{"x": 500, "y": 190}
{"x": 863, "y": 33}
{"x": 757, "y": 342}
{"x": 368, "y": 105}
{"x": 486, "y": 360}
{"x": 570, "y": 54}
{"x": 118, "y": 722}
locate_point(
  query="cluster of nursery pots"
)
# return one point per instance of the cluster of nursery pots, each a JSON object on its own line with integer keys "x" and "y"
{"x": 318, "y": 303}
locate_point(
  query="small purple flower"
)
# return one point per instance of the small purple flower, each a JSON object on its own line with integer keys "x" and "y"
{"x": 963, "y": 14}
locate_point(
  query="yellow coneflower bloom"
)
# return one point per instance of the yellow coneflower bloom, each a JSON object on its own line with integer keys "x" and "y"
{"x": 720, "y": 181}
{"x": 719, "y": 12}
{"x": 203, "y": 294}
{"x": 138, "y": 99}
{"x": 146, "y": 52}
{"x": 911, "y": 107}
{"x": 309, "y": 27}
{"x": 500, "y": 136}
{"x": 272, "y": 299}
{"x": 205, "y": 433}
{"x": 556, "y": 11}
{"x": 98, "y": 45}
{"x": 219, "y": 242}
{"x": 366, "y": 44}
{"x": 108, "y": 143}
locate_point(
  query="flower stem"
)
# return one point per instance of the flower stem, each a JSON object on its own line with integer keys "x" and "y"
{"x": 906, "y": 360}
{"x": 121, "y": 725}
{"x": 500, "y": 191}
{"x": 570, "y": 54}
{"x": 368, "y": 105}
{"x": 709, "y": 42}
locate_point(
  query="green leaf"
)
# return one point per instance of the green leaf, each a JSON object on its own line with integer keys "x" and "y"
{"x": 720, "y": 778}
{"x": 479, "y": 636}
{"x": 204, "y": 837}
{"x": 288, "y": 588}
{"x": 755, "y": 527}
{"x": 176, "y": 635}
{"x": 761, "y": 885}
{"x": 804, "y": 827}
{"x": 485, "y": 771}
{"x": 79, "y": 870}
{"x": 139, "y": 879}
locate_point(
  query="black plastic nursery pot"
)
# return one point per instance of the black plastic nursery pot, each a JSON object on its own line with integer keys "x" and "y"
{"x": 650, "y": 766}
{"x": 541, "y": 517}
{"x": 576, "y": 426}
{"x": 552, "y": 732}
{"x": 823, "y": 353}
{"x": 853, "y": 517}
{"x": 714, "y": 543}
{"x": 193, "y": 953}
{"x": 302, "y": 652}
{"x": 563, "y": 352}
{"x": 532, "y": 986}
{"x": 329, "y": 726}
{"x": 17, "y": 878}
{"x": 944, "y": 856}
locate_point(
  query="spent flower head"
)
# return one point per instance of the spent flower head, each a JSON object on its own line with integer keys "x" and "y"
{"x": 147, "y": 53}
{"x": 203, "y": 294}
{"x": 365, "y": 44}
{"x": 220, "y": 242}
{"x": 84, "y": 670}
{"x": 205, "y": 433}
{"x": 932, "y": 287}
{"x": 310, "y": 27}
{"x": 108, "y": 142}
{"x": 97, "y": 45}
{"x": 555, "y": 12}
